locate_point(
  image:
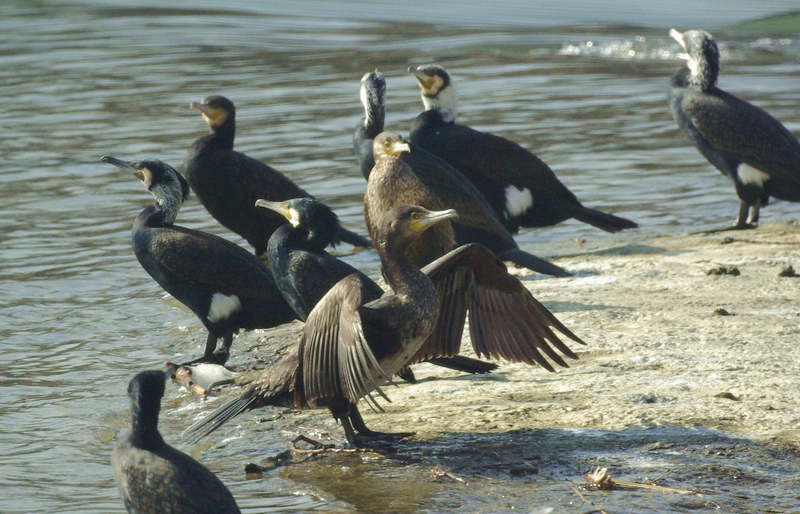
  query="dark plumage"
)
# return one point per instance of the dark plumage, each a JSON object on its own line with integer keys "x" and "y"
{"x": 745, "y": 143}
{"x": 228, "y": 182}
{"x": 227, "y": 287}
{"x": 350, "y": 346}
{"x": 521, "y": 189}
{"x": 304, "y": 271}
{"x": 392, "y": 183}
{"x": 152, "y": 476}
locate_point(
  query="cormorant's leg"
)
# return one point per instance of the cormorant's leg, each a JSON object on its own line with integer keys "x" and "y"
{"x": 752, "y": 219}
{"x": 342, "y": 413}
{"x": 743, "y": 222}
{"x": 208, "y": 355}
{"x": 361, "y": 427}
{"x": 221, "y": 355}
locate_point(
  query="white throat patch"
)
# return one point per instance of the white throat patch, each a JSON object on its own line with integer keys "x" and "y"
{"x": 517, "y": 201}
{"x": 446, "y": 102}
{"x": 294, "y": 218}
{"x": 222, "y": 307}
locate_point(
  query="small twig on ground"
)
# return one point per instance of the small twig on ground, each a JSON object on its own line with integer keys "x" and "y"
{"x": 320, "y": 448}
{"x": 601, "y": 479}
{"x": 439, "y": 471}
{"x": 584, "y": 500}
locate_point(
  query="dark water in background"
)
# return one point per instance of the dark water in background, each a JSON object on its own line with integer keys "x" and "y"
{"x": 581, "y": 83}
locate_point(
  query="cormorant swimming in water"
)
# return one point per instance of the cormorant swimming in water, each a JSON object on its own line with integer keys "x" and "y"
{"x": 349, "y": 346}
{"x": 228, "y": 182}
{"x": 304, "y": 271}
{"x": 152, "y": 476}
{"x": 521, "y": 189}
{"x": 741, "y": 140}
{"x": 226, "y": 286}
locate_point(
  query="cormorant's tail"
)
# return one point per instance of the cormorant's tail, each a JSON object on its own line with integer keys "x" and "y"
{"x": 465, "y": 364}
{"x": 219, "y": 417}
{"x": 458, "y": 363}
{"x": 603, "y": 221}
{"x": 354, "y": 239}
{"x": 532, "y": 262}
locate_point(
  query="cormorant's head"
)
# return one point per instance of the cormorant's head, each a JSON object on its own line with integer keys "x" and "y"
{"x": 702, "y": 56}
{"x": 389, "y": 144}
{"x": 437, "y": 90}
{"x": 373, "y": 97}
{"x": 403, "y": 224}
{"x": 301, "y": 212}
{"x": 216, "y": 110}
{"x": 146, "y": 390}
{"x": 168, "y": 186}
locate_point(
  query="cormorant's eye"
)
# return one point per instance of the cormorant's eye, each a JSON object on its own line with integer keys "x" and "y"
{"x": 414, "y": 215}
{"x": 382, "y": 242}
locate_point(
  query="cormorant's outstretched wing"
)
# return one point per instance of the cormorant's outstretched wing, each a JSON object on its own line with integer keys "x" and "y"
{"x": 335, "y": 357}
{"x": 506, "y": 321}
{"x": 745, "y": 132}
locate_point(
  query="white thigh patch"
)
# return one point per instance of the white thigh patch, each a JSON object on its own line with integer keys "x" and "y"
{"x": 223, "y": 306}
{"x": 517, "y": 201}
{"x": 750, "y": 175}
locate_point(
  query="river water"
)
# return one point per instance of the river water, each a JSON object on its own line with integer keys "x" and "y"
{"x": 581, "y": 83}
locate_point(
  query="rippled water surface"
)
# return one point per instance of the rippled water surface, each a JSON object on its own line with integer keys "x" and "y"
{"x": 582, "y": 83}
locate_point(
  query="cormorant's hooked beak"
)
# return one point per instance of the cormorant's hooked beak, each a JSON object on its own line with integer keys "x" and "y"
{"x": 398, "y": 147}
{"x": 426, "y": 220}
{"x": 679, "y": 37}
{"x": 214, "y": 116}
{"x": 429, "y": 84}
{"x": 282, "y": 208}
{"x": 119, "y": 163}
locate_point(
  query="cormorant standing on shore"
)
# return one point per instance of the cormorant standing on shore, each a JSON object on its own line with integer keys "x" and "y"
{"x": 521, "y": 189}
{"x": 476, "y": 222}
{"x": 744, "y": 142}
{"x": 350, "y": 347}
{"x": 226, "y": 286}
{"x": 228, "y": 182}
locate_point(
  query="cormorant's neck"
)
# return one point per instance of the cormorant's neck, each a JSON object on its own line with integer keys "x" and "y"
{"x": 445, "y": 104}
{"x": 223, "y": 135}
{"x": 401, "y": 275}
{"x": 163, "y": 212}
{"x": 374, "y": 119}
{"x": 701, "y": 74}
{"x": 144, "y": 427}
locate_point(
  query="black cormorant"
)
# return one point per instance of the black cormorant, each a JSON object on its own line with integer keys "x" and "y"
{"x": 350, "y": 347}
{"x": 228, "y": 182}
{"x": 226, "y": 286}
{"x": 152, "y": 476}
{"x": 745, "y": 143}
{"x": 521, "y": 189}
{"x": 304, "y": 271}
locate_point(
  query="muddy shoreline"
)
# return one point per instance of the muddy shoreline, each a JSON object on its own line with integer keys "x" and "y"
{"x": 688, "y": 378}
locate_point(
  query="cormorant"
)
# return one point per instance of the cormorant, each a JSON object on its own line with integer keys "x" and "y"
{"x": 304, "y": 271}
{"x": 392, "y": 183}
{"x": 152, "y": 476}
{"x": 228, "y": 182}
{"x": 349, "y": 346}
{"x": 404, "y": 173}
{"x": 521, "y": 189}
{"x": 226, "y": 286}
{"x": 741, "y": 140}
